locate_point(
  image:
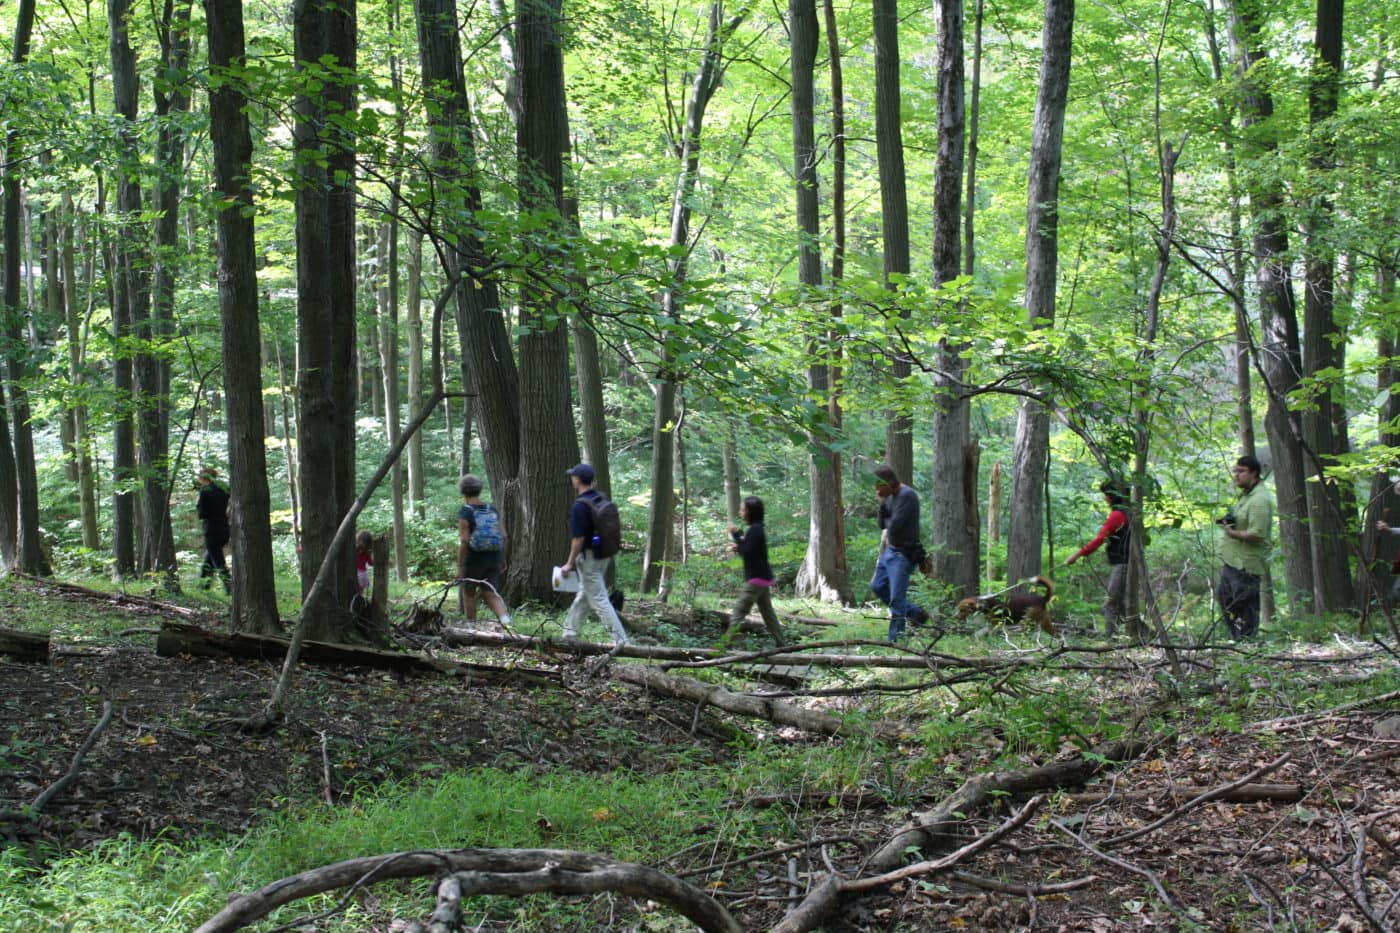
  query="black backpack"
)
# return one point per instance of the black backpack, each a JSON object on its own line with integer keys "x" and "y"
{"x": 607, "y": 525}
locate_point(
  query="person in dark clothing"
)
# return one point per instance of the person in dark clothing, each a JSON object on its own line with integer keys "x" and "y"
{"x": 752, "y": 545}
{"x": 901, "y": 549}
{"x": 1116, "y": 532}
{"x": 212, "y": 508}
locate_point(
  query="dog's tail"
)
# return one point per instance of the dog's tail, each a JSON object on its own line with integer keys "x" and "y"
{"x": 1049, "y": 588}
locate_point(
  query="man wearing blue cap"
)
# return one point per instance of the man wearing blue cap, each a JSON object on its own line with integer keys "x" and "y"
{"x": 584, "y": 557}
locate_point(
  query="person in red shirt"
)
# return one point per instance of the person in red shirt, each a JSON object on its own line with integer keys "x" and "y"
{"x": 1116, "y": 532}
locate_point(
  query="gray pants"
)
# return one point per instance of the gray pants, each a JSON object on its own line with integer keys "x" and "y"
{"x": 593, "y": 594}
{"x": 753, "y": 593}
{"x": 1115, "y": 604}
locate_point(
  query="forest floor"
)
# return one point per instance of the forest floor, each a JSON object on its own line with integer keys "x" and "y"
{"x": 1329, "y": 860}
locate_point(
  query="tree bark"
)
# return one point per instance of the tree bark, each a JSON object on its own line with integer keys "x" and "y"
{"x": 413, "y": 324}
{"x": 823, "y": 573}
{"x": 254, "y": 605}
{"x": 77, "y": 410}
{"x": 128, "y": 291}
{"x": 955, "y": 542}
{"x": 172, "y": 101}
{"x": 326, "y": 328}
{"x": 1330, "y": 505}
{"x": 1031, "y": 447}
{"x": 549, "y": 443}
{"x": 533, "y": 871}
{"x": 493, "y": 377}
{"x": 894, "y": 210}
{"x": 1279, "y": 356}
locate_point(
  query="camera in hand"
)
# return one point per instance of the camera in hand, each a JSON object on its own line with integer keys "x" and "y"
{"x": 1227, "y": 519}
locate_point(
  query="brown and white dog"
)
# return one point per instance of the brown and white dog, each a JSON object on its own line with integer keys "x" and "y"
{"x": 1015, "y": 606}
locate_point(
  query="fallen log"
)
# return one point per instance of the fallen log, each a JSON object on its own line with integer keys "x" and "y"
{"x": 25, "y": 646}
{"x": 498, "y": 871}
{"x": 176, "y": 639}
{"x": 773, "y": 710}
{"x": 787, "y": 657}
{"x": 124, "y": 600}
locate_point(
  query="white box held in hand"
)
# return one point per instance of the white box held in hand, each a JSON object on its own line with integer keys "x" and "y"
{"x": 563, "y": 584}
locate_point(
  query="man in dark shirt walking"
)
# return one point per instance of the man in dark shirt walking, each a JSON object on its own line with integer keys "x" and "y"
{"x": 900, "y": 549}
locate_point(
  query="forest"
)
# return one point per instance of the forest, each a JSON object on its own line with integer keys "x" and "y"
{"x": 337, "y": 256}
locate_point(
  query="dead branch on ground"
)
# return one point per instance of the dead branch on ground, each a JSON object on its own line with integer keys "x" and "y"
{"x": 775, "y": 711}
{"x": 515, "y": 872}
{"x": 1195, "y": 802}
{"x": 69, "y": 776}
{"x": 827, "y": 896}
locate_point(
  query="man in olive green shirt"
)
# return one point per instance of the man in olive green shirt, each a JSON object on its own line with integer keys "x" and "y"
{"x": 1245, "y": 550}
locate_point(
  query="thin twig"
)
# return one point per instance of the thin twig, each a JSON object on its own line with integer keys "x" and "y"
{"x": 42, "y": 801}
{"x": 1127, "y": 866}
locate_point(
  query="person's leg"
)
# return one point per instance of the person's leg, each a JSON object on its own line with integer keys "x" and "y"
{"x": 578, "y": 609}
{"x": 880, "y": 582}
{"x": 764, "y": 598}
{"x": 595, "y": 588}
{"x": 897, "y": 568}
{"x": 468, "y": 602}
{"x": 1229, "y": 594}
{"x": 1249, "y": 605}
{"x": 740, "y": 612}
{"x": 1114, "y": 600}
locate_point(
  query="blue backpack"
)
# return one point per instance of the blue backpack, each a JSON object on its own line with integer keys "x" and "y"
{"x": 486, "y": 530}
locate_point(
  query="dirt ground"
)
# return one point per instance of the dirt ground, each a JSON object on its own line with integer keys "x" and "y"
{"x": 1327, "y": 860}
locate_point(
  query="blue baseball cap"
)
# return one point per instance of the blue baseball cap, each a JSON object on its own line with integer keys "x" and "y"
{"x": 583, "y": 471}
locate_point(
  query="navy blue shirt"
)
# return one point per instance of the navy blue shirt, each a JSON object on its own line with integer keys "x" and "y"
{"x": 581, "y": 518}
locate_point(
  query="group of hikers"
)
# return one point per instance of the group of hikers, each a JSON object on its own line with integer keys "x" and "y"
{"x": 594, "y": 537}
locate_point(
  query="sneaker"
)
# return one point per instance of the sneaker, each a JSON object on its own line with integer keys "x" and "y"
{"x": 505, "y": 620}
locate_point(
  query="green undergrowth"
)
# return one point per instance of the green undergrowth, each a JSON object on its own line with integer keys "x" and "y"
{"x": 129, "y": 885}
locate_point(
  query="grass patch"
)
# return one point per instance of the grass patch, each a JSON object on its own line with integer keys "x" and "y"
{"x": 128, "y": 885}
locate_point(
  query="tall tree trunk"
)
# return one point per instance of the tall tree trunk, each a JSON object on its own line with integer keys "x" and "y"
{"x": 493, "y": 379}
{"x": 77, "y": 409}
{"x": 1384, "y": 499}
{"x": 19, "y": 532}
{"x": 389, "y": 370}
{"x": 956, "y": 530}
{"x": 1031, "y": 448}
{"x": 128, "y": 292}
{"x": 837, "y": 522}
{"x": 413, "y": 324}
{"x": 1279, "y": 357}
{"x": 254, "y": 587}
{"x": 1324, "y": 340}
{"x": 894, "y": 210}
{"x": 973, "y": 116}
{"x": 823, "y": 573}
{"x": 733, "y": 493}
{"x": 549, "y": 445}
{"x": 325, "y": 239}
{"x": 172, "y": 100}
{"x": 661, "y": 511}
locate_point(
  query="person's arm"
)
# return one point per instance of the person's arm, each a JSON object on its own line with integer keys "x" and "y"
{"x": 464, "y": 545}
{"x": 575, "y": 549}
{"x": 580, "y": 530}
{"x": 1116, "y": 520}
{"x": 1258, "y": 515}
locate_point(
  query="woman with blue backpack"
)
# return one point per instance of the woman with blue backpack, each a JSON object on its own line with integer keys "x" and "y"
{"x": 481, "y": 552}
